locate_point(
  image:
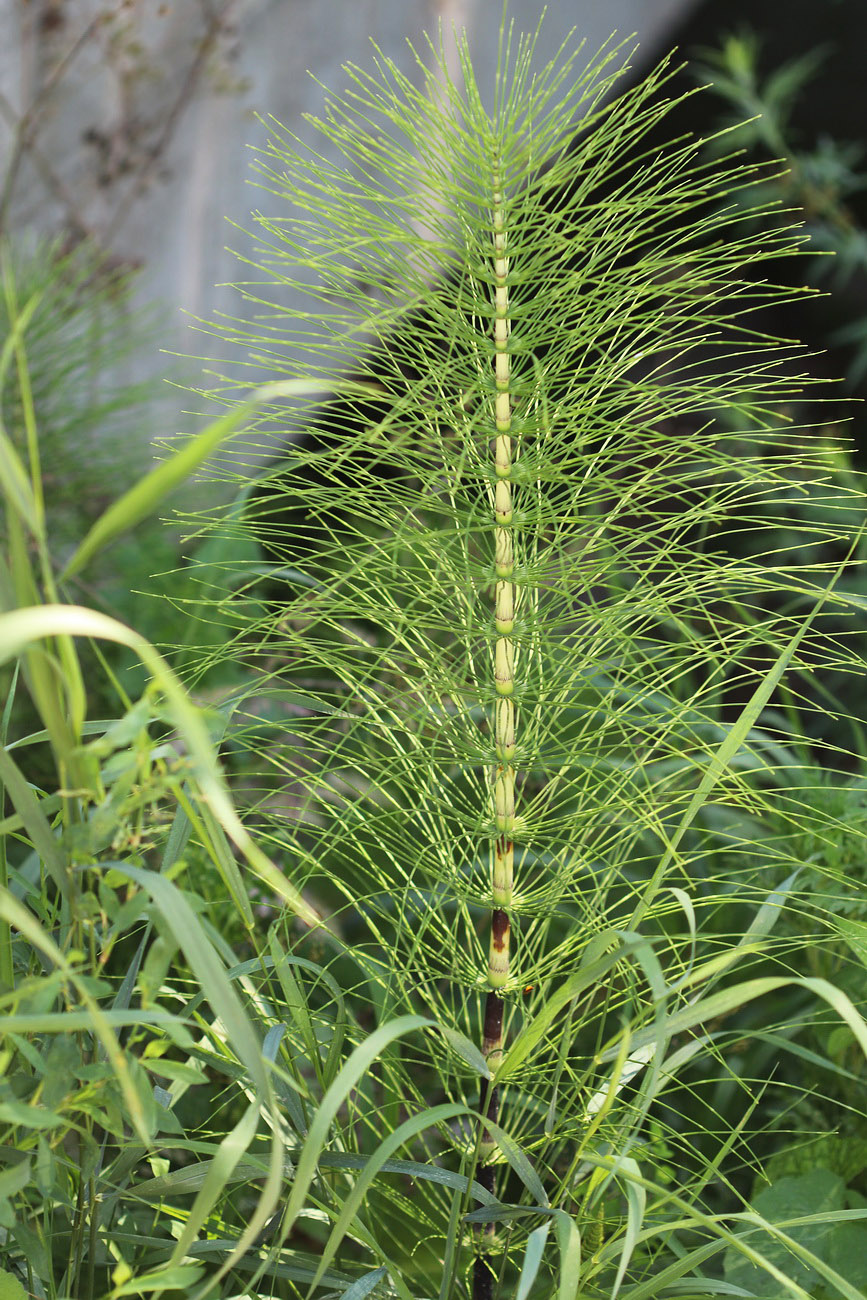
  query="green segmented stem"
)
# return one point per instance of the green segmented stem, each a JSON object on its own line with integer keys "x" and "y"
{"x": 502, "y": 863}
{"x": 503, "y": 791}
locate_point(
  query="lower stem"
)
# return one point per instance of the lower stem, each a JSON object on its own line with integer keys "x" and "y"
{"x": 483, "y": 1278}
{"x": 489, "y": 1105}
{"x": 492, "y": 1047}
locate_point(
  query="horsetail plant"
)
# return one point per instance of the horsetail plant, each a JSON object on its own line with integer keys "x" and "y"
{"x": 513, "y": 662}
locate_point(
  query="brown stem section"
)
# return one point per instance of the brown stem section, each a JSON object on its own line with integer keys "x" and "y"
{"x": 489, "y": 1102}
{"x": 483, "y": 1278}
{"x": 493, "y": 1027}
{"x": 489, "y": 1105}
{"x": 492, "y": 1049}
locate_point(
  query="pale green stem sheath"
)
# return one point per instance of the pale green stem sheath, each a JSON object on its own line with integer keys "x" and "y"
{"x": 503, "y": 792}
{"x": 504, "y": 617}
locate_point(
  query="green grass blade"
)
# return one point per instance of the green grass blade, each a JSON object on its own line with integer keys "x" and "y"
{"x": 34, "y": 821}
{"x": 535, "y": 1030}
{"x": 21, "y": 627}
{"x": 190, "y": 1178}
{"x": 15, "y": 486}
{"x": 358, "y": 1063}
{"x": 23, "y": 921}
{"x": 144, "y": 498}
{"x": 363, "y": 1286}
{"x": 728, "y": 1000}
{"x": 395, "y": 1140}
{"x": 210, "y": 973}
{"x": 627, "y": 1175}
{"x": 220, "y": 1170}
{"x": 533, "y": 1252}
{"x": 569, "y": 1243}
{"x": 177, "y": 1277}
{"x": 19, "y": 323}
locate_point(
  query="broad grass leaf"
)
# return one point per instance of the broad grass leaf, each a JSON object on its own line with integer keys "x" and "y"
{"x": 209, "y": 971}
{"x": 22, "y": 920}
{"x": 14, "y": 482}
{"x": 794, "y": 1048}
{"x": 535, "y": 1030}
{"x": 72, "y": 1022}
{"x": 224, "y": 859}
{"x": 452, "y": 1246}
{"x": 19, "y": 319}
{"x": 16, "y": 487}
{"x": 176, "y": 1277}
{"x": 466, "y": 1050}
{"x": 143, "y": 498}
{"x": 15, "y": 1178}
{"x": 190, "y": 1178}
{"x": 240, "y": 1037}
{"x": 569, "y": 1243}
{"x": 219, "y": 1173}
{"x": 569, "y": 1255}
{"x": 730, "y": 999}
{"x": 680, "y": 1275}
{"x": 24, "y": 1115}
{"x": 521, "y": 1164}
{"x": 769, "y": 913}
{"x": 288, "y": 1096}
{"x": 301, "y": 1269}
{"x": 296, "y": 1004}
{"x": 413, "y": 1169}
{"x": 627, "y": 1173}
{"x": 364, "y": 1285}
{"x": 532, "y": 1259}
{"x": 177, "y": 838}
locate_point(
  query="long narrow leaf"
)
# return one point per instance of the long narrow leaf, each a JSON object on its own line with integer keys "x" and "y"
{"x": 142, "y": 499}
{"x": 359, "y": 1062}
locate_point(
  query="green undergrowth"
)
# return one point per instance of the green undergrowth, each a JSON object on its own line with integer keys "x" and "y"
{"x": 471, "y": 902}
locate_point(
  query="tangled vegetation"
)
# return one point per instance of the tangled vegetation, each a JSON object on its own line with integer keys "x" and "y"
{"x": 471, "y": 901}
